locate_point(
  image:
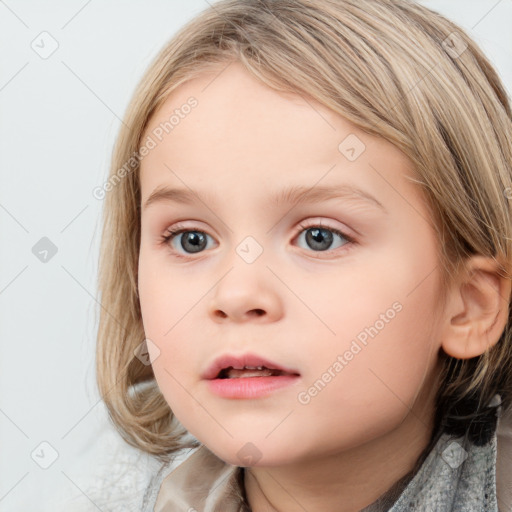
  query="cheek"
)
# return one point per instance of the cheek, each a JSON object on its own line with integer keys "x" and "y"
{"x": 172, "y": 340}
{"x": 165, "y": 302}
{"x": 391, "y": 298}
{"x": 376, "y": 382}
{"x": 164, "y": 314}
{"x": 165, "y": 296}
{"x": 381, "y": 314}
{"x": 388, "y": 346}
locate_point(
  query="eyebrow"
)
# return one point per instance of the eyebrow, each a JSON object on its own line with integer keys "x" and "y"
{"x": 289, "y": 195}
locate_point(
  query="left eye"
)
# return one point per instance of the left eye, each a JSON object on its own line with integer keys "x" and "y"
{"x": 319, "y": 238}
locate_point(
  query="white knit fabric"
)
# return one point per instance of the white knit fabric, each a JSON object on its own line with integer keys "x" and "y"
{"x": 112, "y": 477}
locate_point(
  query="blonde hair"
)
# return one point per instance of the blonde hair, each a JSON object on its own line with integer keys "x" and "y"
{"x": 396, "y": 70}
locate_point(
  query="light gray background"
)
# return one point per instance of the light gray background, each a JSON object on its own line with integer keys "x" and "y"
{"x": 59, "y": 117}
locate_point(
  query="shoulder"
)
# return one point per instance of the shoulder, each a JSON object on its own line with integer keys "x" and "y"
{"x": 202, "y": 477}
{"x": 115, "y": 478}
{"x": 504, "y": 461}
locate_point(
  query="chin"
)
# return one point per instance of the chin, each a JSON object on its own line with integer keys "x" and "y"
{"x": 249, "y": 454}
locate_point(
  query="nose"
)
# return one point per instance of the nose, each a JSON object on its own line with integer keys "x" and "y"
{"x": 246, "y": 293}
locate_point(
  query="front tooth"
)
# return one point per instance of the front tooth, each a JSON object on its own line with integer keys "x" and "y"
{"x": 253, "y": 367}
{"x": 234, "y": 374}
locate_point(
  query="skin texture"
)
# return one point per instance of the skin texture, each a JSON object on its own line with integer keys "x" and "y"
{"x": 296, "y": 305}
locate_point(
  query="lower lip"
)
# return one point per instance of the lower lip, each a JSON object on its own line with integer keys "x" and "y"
{"x": 249, "y": 387}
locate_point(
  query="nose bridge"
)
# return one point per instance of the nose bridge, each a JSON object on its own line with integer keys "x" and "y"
{"x": 246, "y": 289}
{"x": 248, "y": 267}
{"x": 250, "y": 250}
{"x": 248, "y": 239}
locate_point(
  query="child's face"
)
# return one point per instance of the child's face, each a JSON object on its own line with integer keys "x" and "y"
{"x": 356, "y": 320}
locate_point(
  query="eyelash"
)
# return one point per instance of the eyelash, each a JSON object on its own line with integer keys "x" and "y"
{"x": 179, "y": 228}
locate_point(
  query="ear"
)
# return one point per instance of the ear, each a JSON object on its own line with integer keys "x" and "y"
{"x": 477, "y": 309}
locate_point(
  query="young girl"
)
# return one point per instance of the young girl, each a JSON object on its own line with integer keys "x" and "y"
{"x": 306, "y": 264}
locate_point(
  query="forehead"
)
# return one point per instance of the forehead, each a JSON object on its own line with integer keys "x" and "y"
{"x": 242, "y": 133}
{"x": 231, "y": 102}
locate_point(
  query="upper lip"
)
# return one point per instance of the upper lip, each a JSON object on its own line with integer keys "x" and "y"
{"x": 227, "y": 360}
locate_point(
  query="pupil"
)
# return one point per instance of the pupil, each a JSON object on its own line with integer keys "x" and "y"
{"x": 316, "y": 236}
{"x": 196, "y": 240}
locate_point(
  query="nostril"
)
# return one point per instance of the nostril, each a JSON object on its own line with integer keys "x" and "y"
{"x": 253, "y": 312}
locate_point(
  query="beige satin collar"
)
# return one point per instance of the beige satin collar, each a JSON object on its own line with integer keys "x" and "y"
{"x": 202, "y": 483}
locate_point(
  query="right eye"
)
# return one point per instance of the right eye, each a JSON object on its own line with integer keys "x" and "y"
{"x": 189, "y": 240}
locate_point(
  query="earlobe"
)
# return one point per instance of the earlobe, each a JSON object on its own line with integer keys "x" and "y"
{"x": 477, "y": 311}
